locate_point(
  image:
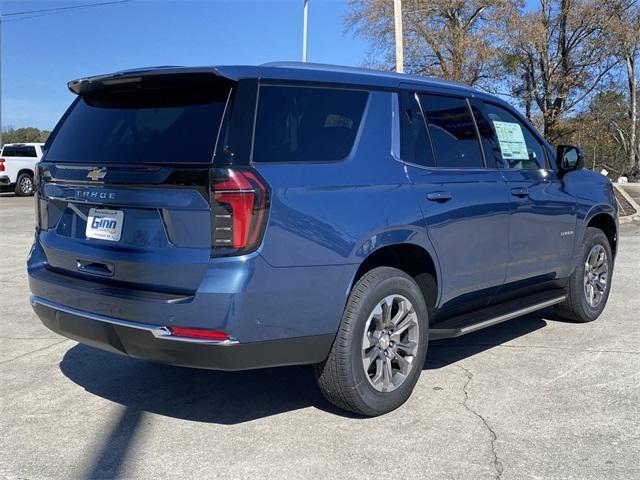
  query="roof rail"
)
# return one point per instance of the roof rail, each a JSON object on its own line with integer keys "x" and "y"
{"x": 360, "y": 70}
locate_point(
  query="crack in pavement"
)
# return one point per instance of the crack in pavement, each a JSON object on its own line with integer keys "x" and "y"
{"x": 497, "y": 464}
{"x": 34, "y": 351}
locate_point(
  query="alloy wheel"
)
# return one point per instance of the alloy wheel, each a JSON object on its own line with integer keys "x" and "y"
{"x": 596, "y": 270}
{"x": 26, "y": 185}
{"x": 390, "y": 343}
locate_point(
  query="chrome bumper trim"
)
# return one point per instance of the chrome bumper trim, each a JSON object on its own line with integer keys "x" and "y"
{"x": 159, "y": 332}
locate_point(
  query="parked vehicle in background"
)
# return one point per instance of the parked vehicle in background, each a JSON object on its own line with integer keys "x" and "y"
{"x": 17, "y": 167}
{"x": 247, "y": 217}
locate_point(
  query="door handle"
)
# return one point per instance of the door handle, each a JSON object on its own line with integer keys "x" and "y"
{"x": 439, "y": 196}
{"x": 520, "y": 192}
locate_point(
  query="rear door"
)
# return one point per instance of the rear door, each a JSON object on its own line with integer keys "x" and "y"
{"x": 543, "y": 214}
{"x": 124, "y": 193}
{"x": 465, "y": 205}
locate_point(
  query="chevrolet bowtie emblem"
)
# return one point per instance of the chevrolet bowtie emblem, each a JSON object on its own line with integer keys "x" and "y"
{"x": 97, "y": 174}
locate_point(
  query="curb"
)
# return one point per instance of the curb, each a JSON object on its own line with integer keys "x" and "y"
{"x": 629, "y": 219}
{"x": 628, "y": 198}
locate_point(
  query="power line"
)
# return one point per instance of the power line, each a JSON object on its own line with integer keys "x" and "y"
{"x": 64, "y": 8}
{"x": 52, "y": 11}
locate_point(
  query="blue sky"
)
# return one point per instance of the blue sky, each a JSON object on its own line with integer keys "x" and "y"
{"x": 40, "y": 54}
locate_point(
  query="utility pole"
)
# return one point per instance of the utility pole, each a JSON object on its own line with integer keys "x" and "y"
{"x": 397, "y": 20}
{"x": 304, "y": 30}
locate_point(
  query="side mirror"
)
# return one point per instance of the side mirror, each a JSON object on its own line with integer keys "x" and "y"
{"x": 569, "y": 158}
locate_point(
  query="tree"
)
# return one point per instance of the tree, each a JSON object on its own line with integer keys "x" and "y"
{"x": 625, "y": 38}
{"x": 556, "y": 55}
{"x": 450, "y": 39}
{"x": 23, "y": 135}
{"x": 602, "y": 131}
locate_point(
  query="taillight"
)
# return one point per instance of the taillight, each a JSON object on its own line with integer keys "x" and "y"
{"x": 1, "y": 164}
{"x": 42, "y": 214}
{"x": 239, "y": 207}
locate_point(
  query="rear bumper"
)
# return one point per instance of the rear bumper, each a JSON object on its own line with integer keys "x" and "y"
{"x": 242, "y": 296}
{"x": 5, "y": 181}
{"x": 151, "y": 342}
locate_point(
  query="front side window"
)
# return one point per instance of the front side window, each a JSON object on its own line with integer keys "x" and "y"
{"x": 306, "y": 124}
{"x": 29, "y": 151}
{"x": 452, "y": 131}
{"x": 414, "y": 139}
{"x": 517, "y": 147}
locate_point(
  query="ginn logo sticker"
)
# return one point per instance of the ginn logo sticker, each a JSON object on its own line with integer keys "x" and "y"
{"x": 104, "y": 223}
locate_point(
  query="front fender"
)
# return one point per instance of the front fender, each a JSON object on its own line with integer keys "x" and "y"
{"x": 594, "y": 195}
{"x": 598, "y": 209}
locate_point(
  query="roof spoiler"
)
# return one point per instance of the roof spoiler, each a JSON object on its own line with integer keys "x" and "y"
{"x": 146, "y": 77}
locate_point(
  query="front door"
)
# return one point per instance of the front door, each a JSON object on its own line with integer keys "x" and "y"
{"x": 543, "y": 216}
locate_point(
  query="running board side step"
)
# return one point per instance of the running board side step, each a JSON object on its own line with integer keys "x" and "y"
{"x": 486, "y": 317}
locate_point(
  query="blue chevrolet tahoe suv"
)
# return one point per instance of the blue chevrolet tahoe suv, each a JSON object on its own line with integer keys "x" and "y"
{"x": 240, "y": 217}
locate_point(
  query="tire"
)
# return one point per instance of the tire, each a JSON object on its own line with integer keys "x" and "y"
{"x": 579, "y": 305}
{"x": 342, "y": 378}
{"x": 24, "y": 185}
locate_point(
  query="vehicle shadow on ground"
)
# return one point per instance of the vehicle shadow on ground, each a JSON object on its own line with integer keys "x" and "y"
{"x": 228, "y": 398}
{"x": 235, "y": 397}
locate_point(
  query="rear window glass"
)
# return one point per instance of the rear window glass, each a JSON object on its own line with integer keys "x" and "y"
{"x": 306, "y": 124}
{"x": 159, "y": 125}
{"x": 414, "y": 139}
{"x": 452, "y": 131}
{"x": 19, "y": 151}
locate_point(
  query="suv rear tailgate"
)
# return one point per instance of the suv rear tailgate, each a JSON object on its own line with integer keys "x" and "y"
{"x": 125, "y": 181}
{"x": 165, "y": 240}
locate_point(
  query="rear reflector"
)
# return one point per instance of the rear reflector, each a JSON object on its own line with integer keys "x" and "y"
{"x": 199, "y": 333}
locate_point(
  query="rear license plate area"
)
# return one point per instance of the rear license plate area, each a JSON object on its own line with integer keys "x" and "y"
{"x": 104, "y": 224}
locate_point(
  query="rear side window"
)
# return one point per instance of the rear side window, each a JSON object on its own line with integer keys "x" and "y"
{"x": 518, "y": 148}
{"x": 172, "y": 124}
{"x": 8, "y": 151}
{"x": 19, "y": 151}
{"x": 452, "y": 131}
{"x": 306, "y": 124}
{"x": 414, "y": 139}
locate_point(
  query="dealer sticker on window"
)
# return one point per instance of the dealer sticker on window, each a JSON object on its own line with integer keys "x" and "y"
{"x": 104, "y": 224}
{"x": 511, "y": 139}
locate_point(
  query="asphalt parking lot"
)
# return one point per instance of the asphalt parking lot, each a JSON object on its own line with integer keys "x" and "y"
{"x": 633, "y": 189}
{"x": 532, "y": 398}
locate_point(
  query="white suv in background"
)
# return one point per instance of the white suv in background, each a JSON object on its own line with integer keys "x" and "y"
{"x": 17, "y": 164}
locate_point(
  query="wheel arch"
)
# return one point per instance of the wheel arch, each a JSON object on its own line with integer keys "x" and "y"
{"x": 413, "y": 259}
{"x": 24, "y": 170}
{"x": 605, "y": 221}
